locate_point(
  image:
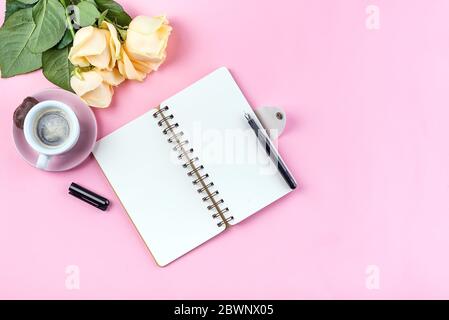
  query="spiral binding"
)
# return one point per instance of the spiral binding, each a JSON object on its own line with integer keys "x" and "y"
{"x": 195, "y": 170}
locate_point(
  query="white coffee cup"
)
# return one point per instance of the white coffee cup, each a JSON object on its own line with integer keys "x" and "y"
{"x": 71, "y": 130}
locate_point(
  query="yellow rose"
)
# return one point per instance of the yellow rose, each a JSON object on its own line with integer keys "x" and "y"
{"x": 145, "y": 47}
{"x": 95, "y": 87}
{"x": 113, "y": 78}
{"x": 129, "y": 69}
{"x": 96, "y": 47}
{"x": 114, "y": 43}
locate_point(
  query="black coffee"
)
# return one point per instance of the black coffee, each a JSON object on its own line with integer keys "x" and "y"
{"x": 52, "y": 128}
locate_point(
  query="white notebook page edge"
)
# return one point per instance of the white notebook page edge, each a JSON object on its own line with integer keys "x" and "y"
{"x": 155, "y": 190}
{"x": 205, "y": 111}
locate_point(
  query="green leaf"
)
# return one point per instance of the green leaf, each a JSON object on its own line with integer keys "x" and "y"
{"x": 87, "y": 14}
{"x": 15, "y": 55}
{"x": 66, "y": 40}
{"x": 116, "y": 13}
{"x": 57, "y": 67}
{"x": 123, "y": 33}
{"x": 102, "y": 17}
{"x": 28, "y": 1}
{"x": 13, "y": 6}
{"x": 49, "y": 17}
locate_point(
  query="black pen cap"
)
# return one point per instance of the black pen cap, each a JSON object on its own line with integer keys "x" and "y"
{"x": 88, "y": 196}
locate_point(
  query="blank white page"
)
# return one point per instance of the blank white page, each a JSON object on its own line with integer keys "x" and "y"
{"x": 211, "y": 113}
{"x": 155, "y": 189}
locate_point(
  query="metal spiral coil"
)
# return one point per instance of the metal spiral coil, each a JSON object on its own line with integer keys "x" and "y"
{"x": 190, "y": 162}
{"x": 210, "y": 196}
{"x": 201, "y": 178}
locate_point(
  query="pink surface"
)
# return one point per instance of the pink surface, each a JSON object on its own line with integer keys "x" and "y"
{"x": 366, "y": 137}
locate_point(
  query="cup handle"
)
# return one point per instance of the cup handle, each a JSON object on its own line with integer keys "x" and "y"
{"x": 42, "y": 161}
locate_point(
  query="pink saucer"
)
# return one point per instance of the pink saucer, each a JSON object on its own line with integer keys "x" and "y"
{"x": 85, "y": 144}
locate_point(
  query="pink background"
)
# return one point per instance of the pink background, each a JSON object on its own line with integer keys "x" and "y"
{"x": 367, "y": 137}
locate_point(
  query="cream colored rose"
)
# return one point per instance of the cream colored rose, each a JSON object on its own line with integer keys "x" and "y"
{"x": 96, "y": 47}
{"x": 114, "y": 43}
{"x": 145, "y": 47}
{"x": 131, "y": 70}
{"x": 113, "y": 78}
{"x": 96, "y": 87}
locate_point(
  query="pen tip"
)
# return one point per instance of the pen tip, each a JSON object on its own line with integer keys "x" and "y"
{"x": 247, "y": 116}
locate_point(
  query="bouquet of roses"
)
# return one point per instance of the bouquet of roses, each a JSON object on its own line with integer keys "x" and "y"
{"x": 85, "y": 46}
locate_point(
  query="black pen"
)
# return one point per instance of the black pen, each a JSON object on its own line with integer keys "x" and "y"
{"x": 271, "y": 152}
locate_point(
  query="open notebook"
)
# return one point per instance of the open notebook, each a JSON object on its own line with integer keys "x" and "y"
{"x": 191, "y": 168}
